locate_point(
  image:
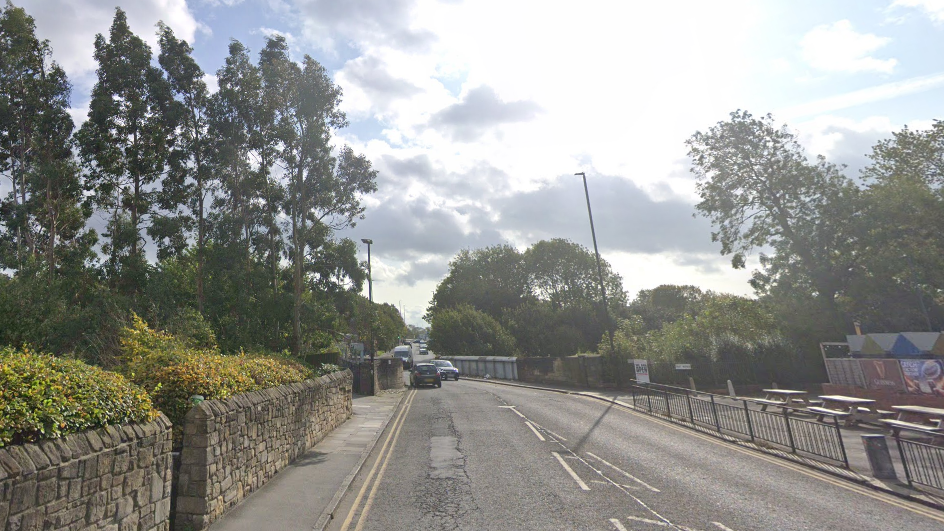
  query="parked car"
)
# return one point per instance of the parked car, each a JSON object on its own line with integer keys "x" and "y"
{"x": 425, "y": 374}
{"x": 446, "y": 369}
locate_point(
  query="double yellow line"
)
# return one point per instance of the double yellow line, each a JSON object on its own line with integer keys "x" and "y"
{"x": 858, "y": 489}
{"x": 383, "y": 459}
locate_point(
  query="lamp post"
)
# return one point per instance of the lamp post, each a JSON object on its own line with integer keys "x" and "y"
{"x": 596, "y": 251}
{"x": 370, "y": 326}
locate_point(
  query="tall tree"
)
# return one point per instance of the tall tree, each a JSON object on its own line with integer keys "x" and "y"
{"x": 493, "y": 280}
{"x": 124, "y": 142}
{"x": 759, "y": 189}
{"x": 42, "y": 211}
{"x": 189, "y": 181}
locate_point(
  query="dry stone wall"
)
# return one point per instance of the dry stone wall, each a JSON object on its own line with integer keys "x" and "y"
{"x": 116, "y": 478}
{"x": 232, "y": 447}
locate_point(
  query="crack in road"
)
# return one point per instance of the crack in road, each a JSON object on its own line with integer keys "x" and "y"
{"x": 446, "y": 498}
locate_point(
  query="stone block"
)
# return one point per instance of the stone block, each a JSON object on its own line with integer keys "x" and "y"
{"x": 124, "y": 507}
{"x": 157, "y": 488}
{"x": 52, "y": 453}
{"x": 94, "y": 441}
{"x": 69, "y": 470}
{"x": 40, "y": 461}
{"x": 65, "y": 451}
{"x": 31, "y": 520}
{"x": 46, "y": 491}
{"x": 24, "y": 496}
{"x": 27, "y": 468}
{"x": 133, "y": 480}
{"x": 162, "y": 511}
{"x": 129, "y": 523}
{"x": 9, "y": 465}
{"x": 95, "y": 507}
{"x": 191, "y": 505}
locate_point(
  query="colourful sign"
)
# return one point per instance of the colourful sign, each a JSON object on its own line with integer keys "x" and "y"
{"x": 924, "y": 376}
{"x": 883, "y": 374}
{"x": 642, "y": 370}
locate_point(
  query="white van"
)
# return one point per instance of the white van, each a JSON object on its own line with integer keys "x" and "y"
{"x": 404, "y": 352}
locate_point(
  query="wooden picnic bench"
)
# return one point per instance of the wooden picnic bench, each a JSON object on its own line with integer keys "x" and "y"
{"x": 853, "y": 410}
{"x": 932, "y": 420}
{"x": 782, "y": 398}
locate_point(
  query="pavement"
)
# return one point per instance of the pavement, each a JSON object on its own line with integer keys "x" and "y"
{"x": 305, "y": 494}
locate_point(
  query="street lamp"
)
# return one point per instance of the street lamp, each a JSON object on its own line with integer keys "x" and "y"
{"x": 370, "y": 326}
{"x": 593, "y": 233}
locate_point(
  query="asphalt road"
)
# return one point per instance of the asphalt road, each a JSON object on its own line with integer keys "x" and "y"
{"x": 474, "y": 455}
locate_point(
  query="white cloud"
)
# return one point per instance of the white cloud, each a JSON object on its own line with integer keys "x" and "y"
{"x": 864, "y": 96}
{"x": 934, "y": 9}
{"x": 839, "y": 48}
{"x": 71, "y": 26}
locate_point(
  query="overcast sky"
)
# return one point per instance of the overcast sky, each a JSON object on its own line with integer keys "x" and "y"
{"x": 477, "y": 113}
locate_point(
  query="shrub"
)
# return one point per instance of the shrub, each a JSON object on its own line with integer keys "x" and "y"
{"x": 173, "y": 372}
{"x": 44, "y": 397}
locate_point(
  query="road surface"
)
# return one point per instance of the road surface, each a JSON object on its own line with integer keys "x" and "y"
{"x": 474, "y": 455}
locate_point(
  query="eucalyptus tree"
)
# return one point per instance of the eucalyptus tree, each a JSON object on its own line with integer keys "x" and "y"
{"x": 124, "y": 142}
{"x": 322, "y": 189}
{"x": 760, "y": 190}
{"x": 189, "y": 181}
{"x": 42, "y": 212}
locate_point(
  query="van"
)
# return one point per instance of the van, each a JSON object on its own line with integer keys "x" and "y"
{"x": 405, "y": 354}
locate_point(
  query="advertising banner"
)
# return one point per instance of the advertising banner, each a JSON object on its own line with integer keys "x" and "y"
{"x": 924, "y": 376}
{"x": 642, "y": 370}
{"x": 883, "y": 374}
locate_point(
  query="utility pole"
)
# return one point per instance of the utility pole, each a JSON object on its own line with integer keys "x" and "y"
{"x": 596, "y": 251}
{"x": 370, "y": 326}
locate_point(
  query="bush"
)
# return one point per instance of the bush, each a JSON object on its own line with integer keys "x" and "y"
{"x": 45, "y": 397}
{"x": 173, "y": 372}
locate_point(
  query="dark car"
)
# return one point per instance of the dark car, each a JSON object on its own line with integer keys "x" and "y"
{"x": 425, "y": 374}
{"x": 446, "y": 369}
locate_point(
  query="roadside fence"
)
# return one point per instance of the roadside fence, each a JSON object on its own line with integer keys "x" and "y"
{"x": 923, "y": 463}
{"x": 725, "y": 416}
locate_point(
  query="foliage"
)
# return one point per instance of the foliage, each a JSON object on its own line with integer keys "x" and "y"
{"x": 548, "y": 298}
{"x": 759, "y": 189}
{"x": 465, "y": 331}
{"x": 45, "y": 397}
{"x": 173, "y": 372}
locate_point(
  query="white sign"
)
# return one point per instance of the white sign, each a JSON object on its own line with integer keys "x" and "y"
{"x": 683, "y": 366}
{"x": 642, "y": 370}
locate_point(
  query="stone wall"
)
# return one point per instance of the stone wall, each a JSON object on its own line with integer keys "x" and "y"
{"x": 115, "y": 478}
{"x": 389, "y": 373}
{"x": 232, "y": 447}
{"x": 576, "y": 371}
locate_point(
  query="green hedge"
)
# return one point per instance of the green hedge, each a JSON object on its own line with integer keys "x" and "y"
{"x": 172, "y": 371}
{"x": 45, "y": 397}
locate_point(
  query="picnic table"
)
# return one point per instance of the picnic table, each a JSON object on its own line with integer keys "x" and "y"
{"x": 849, "y": 408}
{"x": 931, "y": 420}
{"x": 782, "y": 398}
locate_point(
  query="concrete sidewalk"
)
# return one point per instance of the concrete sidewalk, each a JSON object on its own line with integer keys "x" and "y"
{"x": 304, "y": 494}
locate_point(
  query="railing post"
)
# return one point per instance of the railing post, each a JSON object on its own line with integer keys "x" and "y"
{"x": 714, "y": 413}
{"x": 786, "y": 419}
{"x": 668, "y": 407}
{"x": 691, "y": 413}
{"x": 632, "y": 391}
{"x": 904, "y": 461}
{"x": 750, "y": 426}
{"x": 649, "y": 398}
{"x": 842, "y": 446}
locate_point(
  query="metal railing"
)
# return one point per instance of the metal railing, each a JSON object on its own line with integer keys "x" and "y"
{"x": 733, "y": 417}
{"x": 923, "y": 463}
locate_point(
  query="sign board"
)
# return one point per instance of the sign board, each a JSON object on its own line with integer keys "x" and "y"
{"x": 683, "y": 366}
{"x": 883, "y": 374}
{"x": 924, "y": 377}
{"x": 642, "y": 370}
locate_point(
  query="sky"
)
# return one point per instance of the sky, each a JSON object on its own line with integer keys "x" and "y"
{"x": 477, "y": 113}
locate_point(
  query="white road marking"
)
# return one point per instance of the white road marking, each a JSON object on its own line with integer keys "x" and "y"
{"x": 515, "y": 410}
{"x": 616, "y": 523}
{"x": 721, "y": 526}
{"x": 570, "y": 471}
{"x": 646, "y": 521}
{"x": 556, "y": 436}
{"x": 541, "y": 437}
{"x": 627, "y": 474}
